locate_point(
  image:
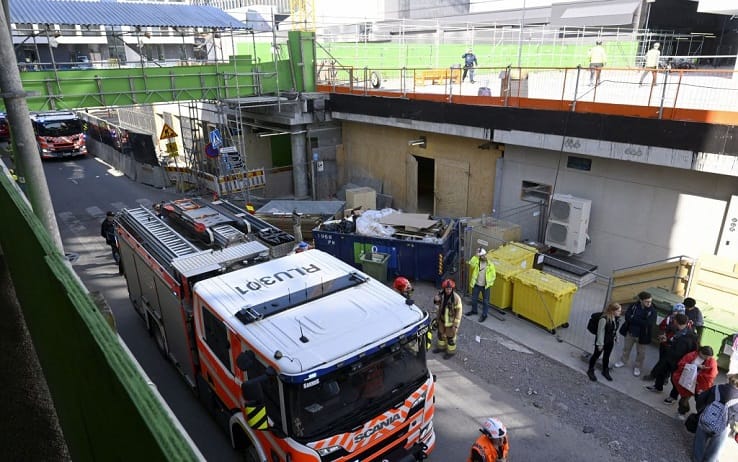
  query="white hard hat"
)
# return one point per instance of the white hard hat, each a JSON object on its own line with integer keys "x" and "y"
{"x": 656, "y": 45}
{"x": 481, "y": 252}
{"x": 494, "y": 428}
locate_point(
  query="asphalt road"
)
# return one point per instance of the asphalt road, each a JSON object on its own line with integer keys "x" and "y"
{"x": 83, "y": 190}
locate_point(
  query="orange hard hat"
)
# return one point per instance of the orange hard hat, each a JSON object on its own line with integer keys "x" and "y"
{"x": 402, "y": 284}
{"x": 448, "y": 283}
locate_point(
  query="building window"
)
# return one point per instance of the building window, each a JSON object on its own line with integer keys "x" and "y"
{"x": 216, "y": 337}
{"x": 579, "y": 163}
{"x": 532, "y": 191}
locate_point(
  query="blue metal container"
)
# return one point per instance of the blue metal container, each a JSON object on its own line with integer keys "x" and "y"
{"x": 415, "y": 259}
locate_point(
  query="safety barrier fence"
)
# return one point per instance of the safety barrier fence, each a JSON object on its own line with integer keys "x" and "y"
{"x": 697, "y": 95}
{"x": 99, "y": 392}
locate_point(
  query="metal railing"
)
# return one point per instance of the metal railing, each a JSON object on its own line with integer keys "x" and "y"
{"x": 705, "y": 95}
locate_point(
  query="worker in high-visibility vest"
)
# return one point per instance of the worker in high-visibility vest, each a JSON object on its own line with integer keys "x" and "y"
{"x": 449, "y": 314}
{"x": 492, "y": 445}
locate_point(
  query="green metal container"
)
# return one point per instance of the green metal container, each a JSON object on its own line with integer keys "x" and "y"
{"x": 375, "y": 265}
{"x": 720, "y": 326}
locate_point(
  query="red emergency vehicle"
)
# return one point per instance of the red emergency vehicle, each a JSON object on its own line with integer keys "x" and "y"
{"x": 301, "y": 358}
{"x": 59, "y": 134}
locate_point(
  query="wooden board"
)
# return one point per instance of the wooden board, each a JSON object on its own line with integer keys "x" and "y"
{"x": 411, "y": 221}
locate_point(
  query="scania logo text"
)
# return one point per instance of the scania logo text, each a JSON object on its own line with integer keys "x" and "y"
{"x": 372, "y": 430}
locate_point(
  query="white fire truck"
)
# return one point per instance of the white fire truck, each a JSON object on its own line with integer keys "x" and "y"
{"x": 300, "y": 358}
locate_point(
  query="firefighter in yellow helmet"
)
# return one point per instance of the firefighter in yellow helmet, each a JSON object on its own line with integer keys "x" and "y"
{"x": 449, "y": 311}
{"x": 492, "y": 444}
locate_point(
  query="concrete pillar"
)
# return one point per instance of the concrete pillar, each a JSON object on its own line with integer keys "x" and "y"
{"x": 299, "y": 165}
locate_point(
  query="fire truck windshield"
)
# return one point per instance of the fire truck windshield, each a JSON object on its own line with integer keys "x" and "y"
{"x": 66, "y": 127}
{"x": 348, "y": 397}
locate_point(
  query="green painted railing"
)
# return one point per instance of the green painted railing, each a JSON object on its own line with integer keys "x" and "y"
{"x": 240, "y": 76}
{"x": 105, "y": 406}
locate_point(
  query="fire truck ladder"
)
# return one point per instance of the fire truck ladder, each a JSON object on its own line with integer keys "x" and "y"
{"x": 226, "y": 235}
{"x": 157, "y": 235}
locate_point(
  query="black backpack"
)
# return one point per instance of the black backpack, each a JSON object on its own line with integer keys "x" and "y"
{"x": 594, "y": 319}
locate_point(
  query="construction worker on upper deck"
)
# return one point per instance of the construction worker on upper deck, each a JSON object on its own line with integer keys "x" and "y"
{"x": 597, "y": 60}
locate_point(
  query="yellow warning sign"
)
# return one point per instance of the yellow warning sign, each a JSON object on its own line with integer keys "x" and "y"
{"x": 172, "y": 149}
{"x": 167, "y": 132}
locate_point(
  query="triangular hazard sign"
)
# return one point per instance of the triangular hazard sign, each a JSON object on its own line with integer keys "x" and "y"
{"x": 167, "y": 132}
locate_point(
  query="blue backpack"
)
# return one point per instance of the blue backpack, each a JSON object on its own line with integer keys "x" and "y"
{"x": 714, "y": 418}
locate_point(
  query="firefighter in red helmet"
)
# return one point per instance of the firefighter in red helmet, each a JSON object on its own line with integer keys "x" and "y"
{"x": 492, "y": 445}
{"x": 449, "y": 311}
{"x": 403, "y": 286}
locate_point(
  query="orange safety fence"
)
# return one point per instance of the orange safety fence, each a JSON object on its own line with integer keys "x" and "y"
{"x": 690, "y": 95}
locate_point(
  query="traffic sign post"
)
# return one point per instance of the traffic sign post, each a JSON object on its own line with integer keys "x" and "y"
{"x": 172, "y": 149}
{"x": 167, "y": 132}
{"x": 216, "y": 140}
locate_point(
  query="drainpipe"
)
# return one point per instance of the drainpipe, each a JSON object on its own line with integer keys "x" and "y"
{"x": 27, "y": 156}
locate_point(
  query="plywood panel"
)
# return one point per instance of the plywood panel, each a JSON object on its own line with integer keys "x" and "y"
{"x": 451, "y": 187}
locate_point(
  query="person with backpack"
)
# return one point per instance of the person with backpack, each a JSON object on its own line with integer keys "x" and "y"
{"x": 718, "y": 410}
{"x": 605, "y": 338}
{"x": 640, "y": 318}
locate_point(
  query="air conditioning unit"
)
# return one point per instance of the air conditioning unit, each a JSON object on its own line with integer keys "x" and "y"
{"x": 568, "y": 221}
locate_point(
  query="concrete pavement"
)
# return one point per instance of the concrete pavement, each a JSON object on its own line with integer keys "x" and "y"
{"x": 523, "y": 334}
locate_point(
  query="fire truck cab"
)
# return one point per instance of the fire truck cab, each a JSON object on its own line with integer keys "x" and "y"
{"x": 59, "y": 134}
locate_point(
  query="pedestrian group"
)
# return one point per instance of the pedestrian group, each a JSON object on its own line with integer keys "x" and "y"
{"x": 691, "y": 368}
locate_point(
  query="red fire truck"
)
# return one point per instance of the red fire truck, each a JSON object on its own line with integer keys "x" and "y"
{"x": 59, "y": 134}
{"x": 300, "y": 358}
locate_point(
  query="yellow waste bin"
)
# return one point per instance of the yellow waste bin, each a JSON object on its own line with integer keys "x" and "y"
{"x": 542, "y": 298}
{"x": 502, "y": 291}
{"x": 518, "y": 254}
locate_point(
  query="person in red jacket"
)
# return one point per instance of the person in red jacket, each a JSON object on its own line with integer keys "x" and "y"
{"x": 706, "y": 372}
{"x": 492, "y": 444}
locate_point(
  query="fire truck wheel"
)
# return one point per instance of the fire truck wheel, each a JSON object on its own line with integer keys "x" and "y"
{"x": 159, "y": 339}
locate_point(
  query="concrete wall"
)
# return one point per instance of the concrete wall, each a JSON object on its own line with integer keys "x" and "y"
{"x": 380, "y": 152}
{"x": 640, "y": 213}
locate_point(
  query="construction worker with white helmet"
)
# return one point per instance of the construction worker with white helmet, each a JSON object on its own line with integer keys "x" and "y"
{"x": 492, "y": 445}
{"x": 448, "y": 315}
{"x": 651, "y": 65}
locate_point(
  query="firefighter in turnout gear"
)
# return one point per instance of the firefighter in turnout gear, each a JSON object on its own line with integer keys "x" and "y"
{"x": 403, "y": 286}
{"x": 492, "y": 444}
{"x": 449, "y": 311}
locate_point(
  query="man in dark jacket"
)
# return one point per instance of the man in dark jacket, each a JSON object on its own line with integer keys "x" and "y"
{"x": 683, "y": 342}
{"x": 107, "y": 230}
{"x": 695, "y": 315}
{"x": 639, "y": 321}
